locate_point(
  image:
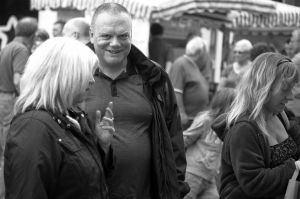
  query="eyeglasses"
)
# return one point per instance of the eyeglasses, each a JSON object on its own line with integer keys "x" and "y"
{"x": 240, "y": 52}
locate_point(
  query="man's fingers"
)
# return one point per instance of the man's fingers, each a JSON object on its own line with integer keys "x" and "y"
{"x": 108, "y": 110}
{"x": 98, "y": 116}
{"x": 111, "y": 128}
{"x": 110, "y": 121}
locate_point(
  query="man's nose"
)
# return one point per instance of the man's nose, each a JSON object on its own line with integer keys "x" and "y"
{"x": 114, "y": 41}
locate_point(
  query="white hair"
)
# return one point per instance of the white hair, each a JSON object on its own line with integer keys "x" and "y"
{"x": 195, "y": 45}
{"x": 244, "y": 45}
{"x": 56, "y": 73}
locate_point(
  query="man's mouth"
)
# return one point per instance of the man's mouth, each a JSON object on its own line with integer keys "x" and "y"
{"x": 114, "y": 51}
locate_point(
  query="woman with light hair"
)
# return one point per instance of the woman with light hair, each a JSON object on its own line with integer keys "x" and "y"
{"x": 51, "y": 150}
{"x": 261, "y": 147}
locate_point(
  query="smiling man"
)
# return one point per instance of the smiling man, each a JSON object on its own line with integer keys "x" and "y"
{"x": 148, "y": 143}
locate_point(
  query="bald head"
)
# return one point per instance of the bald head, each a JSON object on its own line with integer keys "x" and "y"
{"x": 77, "y": 28}
{"x": 112, "y": 8}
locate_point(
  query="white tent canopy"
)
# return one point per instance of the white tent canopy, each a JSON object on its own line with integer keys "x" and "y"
{"x": 241, "y": 13}
{"x": 138, "y": 8}
{"x": 285, "y": 16}
{"x": 176, "y": 8}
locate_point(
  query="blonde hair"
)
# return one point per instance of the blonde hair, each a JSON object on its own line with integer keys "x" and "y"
{"x": 57, "y": 72}
{"x": 267, "y": 71}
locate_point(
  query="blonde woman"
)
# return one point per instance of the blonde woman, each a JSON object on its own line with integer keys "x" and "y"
{"x": 261, "y": 148}
{"x": 51, "y": 150}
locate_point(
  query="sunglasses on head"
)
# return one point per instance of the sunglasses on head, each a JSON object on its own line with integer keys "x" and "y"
{"x": 283, "y": 60}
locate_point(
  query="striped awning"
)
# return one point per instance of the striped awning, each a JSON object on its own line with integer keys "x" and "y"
{"x": 135, "y": 7}
{"x": 285, "y": 16}
{"x": 177, "y": 8}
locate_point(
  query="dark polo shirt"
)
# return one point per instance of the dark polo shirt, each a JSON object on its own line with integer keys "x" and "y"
{"x": 132, "y": 119}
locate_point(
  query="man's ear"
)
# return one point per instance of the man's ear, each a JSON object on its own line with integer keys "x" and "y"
{"x": 76, "y": 35}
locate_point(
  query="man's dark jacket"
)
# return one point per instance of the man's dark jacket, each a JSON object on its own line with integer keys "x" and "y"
{"x": 168, "y": 154}
{"x": 167, "y": 140}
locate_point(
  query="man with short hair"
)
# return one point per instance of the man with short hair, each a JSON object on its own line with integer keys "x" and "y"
{"x": 13, "y": 58}
{"x": 148, "y": 142}
{"x": 77, "y": 28}
{"x": 190, "y": 86}
{"x": 57, "y": 28}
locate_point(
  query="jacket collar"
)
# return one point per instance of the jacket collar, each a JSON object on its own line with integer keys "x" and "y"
{"x": 151, "y": 73}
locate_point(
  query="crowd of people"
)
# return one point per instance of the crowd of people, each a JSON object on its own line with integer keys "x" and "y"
{"x": 85, "y": 114}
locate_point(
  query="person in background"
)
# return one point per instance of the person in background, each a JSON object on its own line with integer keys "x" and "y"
{"x": 148, "y": 142}
{"x": 261, "y": 146}
{"x": 206, "y": 65}
{"x": 41, "y": 35}
{"x": 13, "y": 58}
{"x": 259, "y": 48}
{"x": 159, "y": 50}
{"x": 190, "y": 86}
{"x": 294, "y": 105}
{"x": 58, "y": 28}
{"x": 77, "y": 28}
{"x": 203, "y": 148}
{"x": 52, "y": 151}
{"x": 287, "y": 48}
{"x": 233, "y": 73}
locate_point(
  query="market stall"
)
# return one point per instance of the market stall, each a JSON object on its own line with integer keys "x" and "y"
{"x": 138, "y": 9}
{"x": 230, "y": 20}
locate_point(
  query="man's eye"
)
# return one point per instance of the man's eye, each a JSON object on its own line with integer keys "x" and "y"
{"x": 125, "y": 36}
{"x": 105, "y": 36}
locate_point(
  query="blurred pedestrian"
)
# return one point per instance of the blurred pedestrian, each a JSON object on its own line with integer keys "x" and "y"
{"x": 261, "y": 147}
{"x": 203, "y": 148}
{"x": 58, "y": 28}
{"x": 287, "y": 48}
{"x": 190, "y": 86}
{"x": 159, "y": 50}
{"x": 148, "y": 142}
{"x": 233, "y": 73}
{"x": 52, "y": 150}
{"x": 13, "y": 58}
{"x": 259, "y": 48}
{"x": 206, "y": 65}
{"x": 41, "y": 35}
{"x": 78, "y": 28}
